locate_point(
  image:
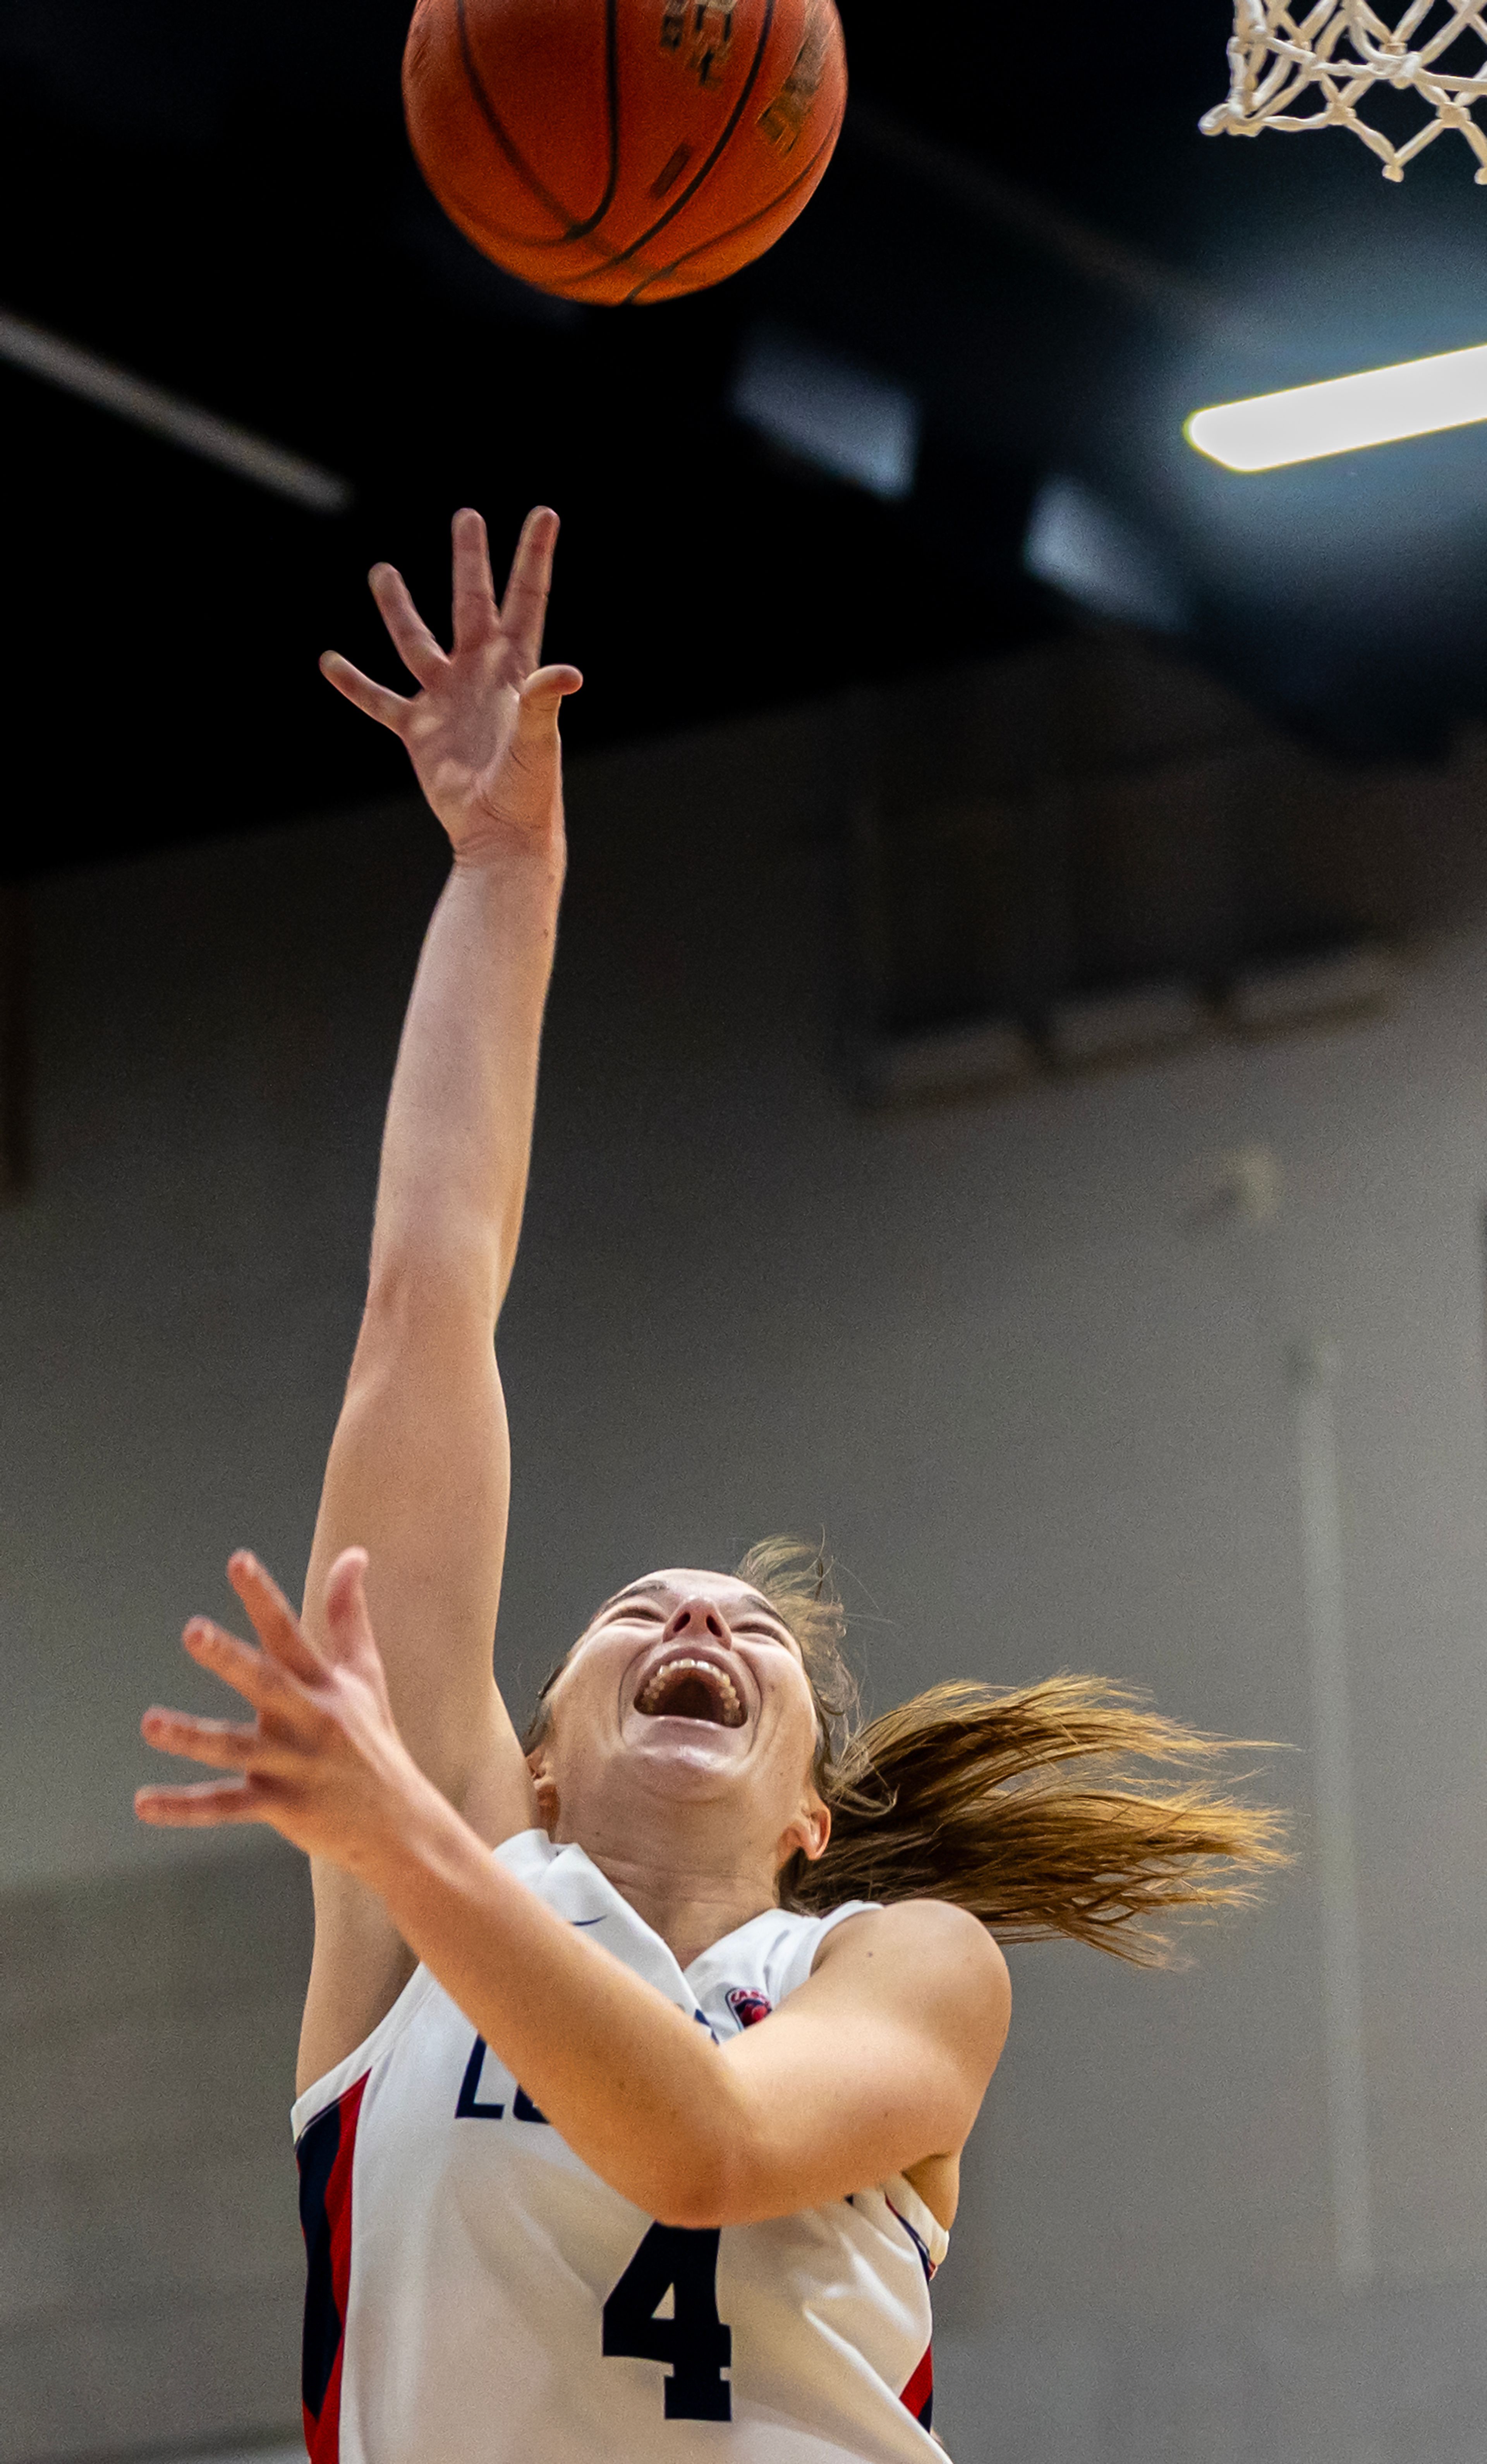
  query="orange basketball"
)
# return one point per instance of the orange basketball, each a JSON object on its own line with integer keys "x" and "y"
{"x": 623, "y": 149}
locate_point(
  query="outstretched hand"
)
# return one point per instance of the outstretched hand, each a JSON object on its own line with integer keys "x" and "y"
{"x": 321, "y": 1761}
{"x": 482, "y": 729}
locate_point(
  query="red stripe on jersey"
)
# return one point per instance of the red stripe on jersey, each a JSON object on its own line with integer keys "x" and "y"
{"x": 918, "y": 2395}
{"x": 332, "y": 2245}
{"x": 920, "y": 2244}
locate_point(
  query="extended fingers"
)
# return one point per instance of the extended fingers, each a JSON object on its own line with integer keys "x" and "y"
{"x": 524, "y": 608}
{"x": 421, "y": 654}
{"x": 204, "y": 1802}
{"x": 225, "y": 1745}
{"x": 388, "y": 709}
{"x": 476, "y": 617}
{"x": 260, "y": 1677}
{"x": 250, "y": 1673}
{"x": 274, "y": 1622}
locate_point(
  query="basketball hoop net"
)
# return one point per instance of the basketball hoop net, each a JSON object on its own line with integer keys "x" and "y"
{"x": 1297, "y": 68}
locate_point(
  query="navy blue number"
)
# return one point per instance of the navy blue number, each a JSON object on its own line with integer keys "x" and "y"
{"x": 470, "y": 2108}
{"x": 694, "y": 2343}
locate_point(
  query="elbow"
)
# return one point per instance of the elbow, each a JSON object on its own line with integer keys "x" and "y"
{"x": 694, "y": 2194}
{"x": 417, "y": 1289}
{"x": 700, "y": 2163}
{"x": 694, "y": 2213}
{"x": 719, "y": 2180}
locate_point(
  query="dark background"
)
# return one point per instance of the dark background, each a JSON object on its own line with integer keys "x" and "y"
{"x": 223, "y": 202}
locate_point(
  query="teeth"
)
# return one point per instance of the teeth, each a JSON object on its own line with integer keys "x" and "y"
{"x": 706, "y": 1667}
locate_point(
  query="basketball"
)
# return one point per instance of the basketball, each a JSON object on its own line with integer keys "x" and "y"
{"x": 623, "y": 150}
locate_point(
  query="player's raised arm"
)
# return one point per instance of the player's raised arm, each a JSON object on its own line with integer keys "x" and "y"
{"x": 418, "y": 1469}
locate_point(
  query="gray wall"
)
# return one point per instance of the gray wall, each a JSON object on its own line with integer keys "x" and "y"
{"x": 1041, "y": 1413}
{"x": 150, "y": 2269}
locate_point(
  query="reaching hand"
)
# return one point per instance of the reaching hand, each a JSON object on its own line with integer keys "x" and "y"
{"x": 322, "y": 1761}
{"x": 482, "y": 732}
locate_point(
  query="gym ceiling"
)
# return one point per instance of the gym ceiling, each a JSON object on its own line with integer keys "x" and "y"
{"x": 1023, "y": 238}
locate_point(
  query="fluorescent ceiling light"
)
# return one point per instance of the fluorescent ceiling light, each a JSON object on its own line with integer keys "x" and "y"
{"x": 165, "y": 414}
{"x": 1377, "y": 407}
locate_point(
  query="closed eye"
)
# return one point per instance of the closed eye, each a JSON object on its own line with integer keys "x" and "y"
{"x": 771, "y": 1633}
{"x": 634, "y": 1612}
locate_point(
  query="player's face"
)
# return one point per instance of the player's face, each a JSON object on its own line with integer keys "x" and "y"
{"x": 690, "y": 1684}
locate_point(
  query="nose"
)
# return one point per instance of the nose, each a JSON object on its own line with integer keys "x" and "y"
{"x": 697, "y": 1620}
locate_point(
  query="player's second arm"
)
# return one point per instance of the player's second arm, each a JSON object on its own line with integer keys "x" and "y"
{"x": 878, "y": 2062}
{"x": 882, "y": 2067}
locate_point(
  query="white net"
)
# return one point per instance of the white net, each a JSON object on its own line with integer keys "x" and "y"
{"x": 1298, "y": 67}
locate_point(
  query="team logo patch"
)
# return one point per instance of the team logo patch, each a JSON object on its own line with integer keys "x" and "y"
{"x": 748, "y": 2007}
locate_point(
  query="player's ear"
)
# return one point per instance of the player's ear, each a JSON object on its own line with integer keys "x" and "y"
{"x": 810, "y": 1830}
{"x": 547, "y": 1800}
{"x": 544, "y": 1784}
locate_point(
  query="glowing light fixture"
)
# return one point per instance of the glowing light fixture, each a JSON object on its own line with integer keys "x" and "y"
{"x": 1377, "y": 407}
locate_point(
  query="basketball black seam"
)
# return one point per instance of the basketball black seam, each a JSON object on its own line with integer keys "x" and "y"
{"x": 612, "y": 259}
{"x": 719, "y": 238}
{"x": 519, "y": 240}
{"x": 626, "y": 255}
{"x": 690, "y": 191}
{"x": 456, "y": 202}
{"x": 703, "y": 246}
{"x": 518, "y": 160}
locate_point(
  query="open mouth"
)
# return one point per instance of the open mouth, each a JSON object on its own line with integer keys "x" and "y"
{"x": 684, "y": 1688}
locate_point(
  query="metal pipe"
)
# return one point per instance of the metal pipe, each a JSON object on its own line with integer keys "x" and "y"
{"x": 1314, "y": 1366}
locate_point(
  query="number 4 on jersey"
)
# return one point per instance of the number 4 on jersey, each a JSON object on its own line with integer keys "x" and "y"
{"x": 693, "y": 2342}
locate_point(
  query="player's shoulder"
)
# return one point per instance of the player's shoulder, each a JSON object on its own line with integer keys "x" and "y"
{"x": 926, "y": 1944}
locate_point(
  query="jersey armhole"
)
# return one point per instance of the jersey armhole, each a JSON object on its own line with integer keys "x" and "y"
{"x": 325, "y": 2090}
{"x": 803, "y": 1957}
{"x": 526, "y": 1854}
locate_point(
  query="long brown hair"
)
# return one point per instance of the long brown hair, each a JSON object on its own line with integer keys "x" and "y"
{"x": 963, "y": 1794}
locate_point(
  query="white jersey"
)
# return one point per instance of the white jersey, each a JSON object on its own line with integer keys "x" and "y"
{"x": 477, "y": 2296}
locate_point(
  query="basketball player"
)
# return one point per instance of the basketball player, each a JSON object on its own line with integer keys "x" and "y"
{"x": 626, "y": 2128}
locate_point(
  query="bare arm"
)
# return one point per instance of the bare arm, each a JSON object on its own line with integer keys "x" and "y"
{"x": 878, "y": 2064}
{"x": 419, "y": 1468}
